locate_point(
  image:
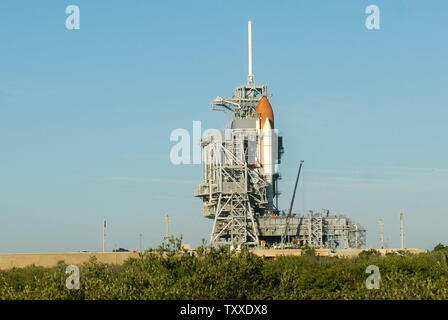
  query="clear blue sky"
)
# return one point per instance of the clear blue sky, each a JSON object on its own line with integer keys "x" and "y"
{"x": 86, "y": 115}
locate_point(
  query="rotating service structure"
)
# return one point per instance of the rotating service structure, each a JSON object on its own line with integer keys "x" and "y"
{"x": 239, "y": 188}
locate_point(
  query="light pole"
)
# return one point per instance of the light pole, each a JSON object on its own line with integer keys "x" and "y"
{"x": 104, "y": 236}
{"x": 382, "y": 233}
{"x": 167, "y": 220}
{"x": 402, "y": 230}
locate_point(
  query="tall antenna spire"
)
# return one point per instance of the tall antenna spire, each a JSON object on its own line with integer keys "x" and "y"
{"x": 250, "y": 77}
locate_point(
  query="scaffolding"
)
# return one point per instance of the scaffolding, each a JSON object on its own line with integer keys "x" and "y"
{"x": 232, "y": 190}
{"x": 315, "y": 230}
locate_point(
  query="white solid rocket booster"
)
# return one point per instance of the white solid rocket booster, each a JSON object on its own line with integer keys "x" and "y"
{"x": 268, "y": 163}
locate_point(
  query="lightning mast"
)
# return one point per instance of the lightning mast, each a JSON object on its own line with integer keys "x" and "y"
{"x": 250, "y": 77}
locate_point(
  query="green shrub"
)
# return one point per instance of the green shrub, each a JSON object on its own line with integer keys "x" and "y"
{"x": 218, "y": 273}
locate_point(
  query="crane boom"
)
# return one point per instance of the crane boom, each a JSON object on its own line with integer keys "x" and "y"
{"x": 285, "y": 233}
{"x": 295, "y": 188}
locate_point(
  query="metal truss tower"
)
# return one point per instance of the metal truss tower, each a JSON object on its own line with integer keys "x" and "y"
{"x": 314, "y": 230}
{"x": 239, "y": 180}
{"x": 233, "y": 190}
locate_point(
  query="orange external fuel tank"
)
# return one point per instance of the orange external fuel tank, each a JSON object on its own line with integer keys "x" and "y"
{"x": 265, "y": 110}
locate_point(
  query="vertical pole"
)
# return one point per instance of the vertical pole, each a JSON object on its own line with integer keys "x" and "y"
{"x": 402, "y": 230}
{"x": 104, "y": 236}
{"x": 382, "y": 233}
{"x": 250, "y": 77}
{"x": 167, "y": 220}
{"x": 345, "y": 239}
{"x": 140, "y": 242}
{"x": 276, "y": 193}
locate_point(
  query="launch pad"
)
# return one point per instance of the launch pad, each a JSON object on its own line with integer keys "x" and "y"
{"x": 315, "y": 230}
{"x": 239, "y": 188}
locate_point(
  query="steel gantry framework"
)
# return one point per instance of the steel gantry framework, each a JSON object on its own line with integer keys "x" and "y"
{"x": 314, "y": 230}
{"x": 240, "y": 179}
{"x": 233, "y": 190}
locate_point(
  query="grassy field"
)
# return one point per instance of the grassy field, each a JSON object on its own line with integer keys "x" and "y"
{"x": 221, "y": 274}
